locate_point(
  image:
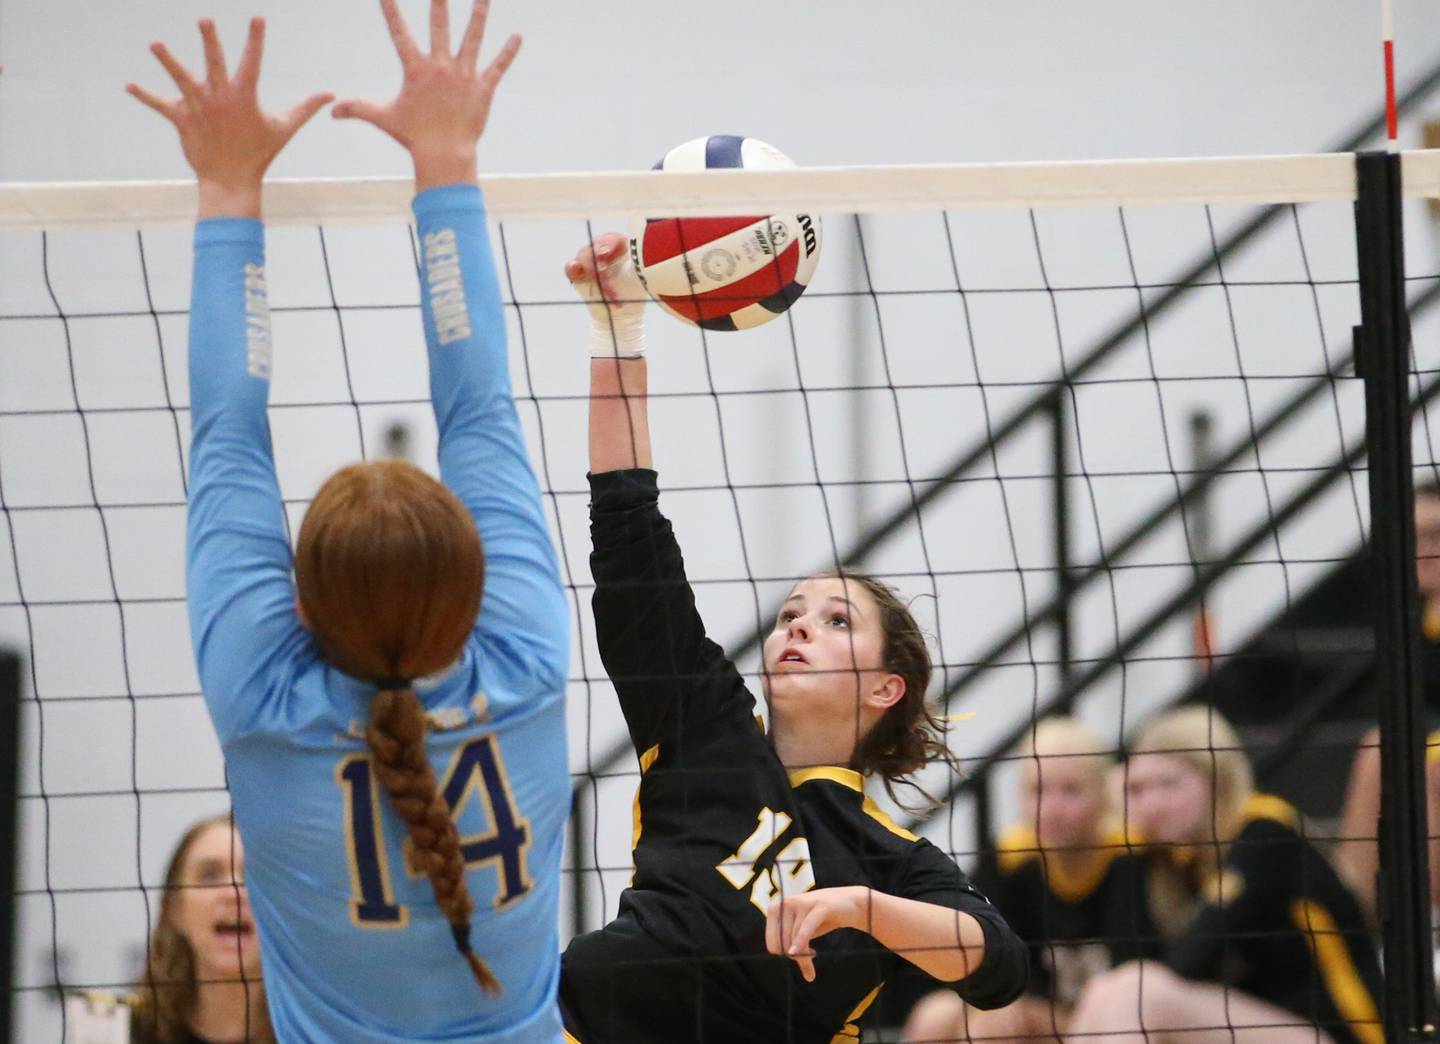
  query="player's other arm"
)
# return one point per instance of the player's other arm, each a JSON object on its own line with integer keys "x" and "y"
{"x": 439, "y": 117}
{"x": 943, "y": 942}
{"x": 238, "y": 559}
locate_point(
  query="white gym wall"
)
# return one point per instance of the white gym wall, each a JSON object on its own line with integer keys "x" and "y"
{"x": 612, "y": 86}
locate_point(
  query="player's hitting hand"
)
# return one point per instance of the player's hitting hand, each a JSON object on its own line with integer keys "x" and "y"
{"x": 444, "y": 101}
{"x": 227, "y": 138}
{"x": 793, "y": 922}
{"x": 597, "y": 264}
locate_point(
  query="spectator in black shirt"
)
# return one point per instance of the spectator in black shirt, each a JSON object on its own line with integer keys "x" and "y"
{"x": 202, "y": 973}
{"x": 1357, "y": 851}
{"x": 771, "y": 896}
{"x": 1066, "y": 881}
{"x": 1265, "y": 944}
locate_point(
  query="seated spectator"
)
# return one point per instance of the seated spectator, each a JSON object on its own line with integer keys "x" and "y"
{"x": 202, "y": 974}
{"x": 1357, "y": 851}
{"x": 1264, "y": 943}
{"x": 1067, "y": 883}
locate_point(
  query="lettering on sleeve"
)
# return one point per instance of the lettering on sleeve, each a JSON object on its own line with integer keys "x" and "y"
{"x": 446, "y": 287}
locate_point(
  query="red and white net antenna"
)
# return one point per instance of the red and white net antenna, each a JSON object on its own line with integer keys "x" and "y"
{"x": 1387, "y": 33}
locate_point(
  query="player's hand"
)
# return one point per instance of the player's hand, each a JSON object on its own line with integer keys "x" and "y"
{"x": 227, "y": 138}
{"x": 793, "y": 922}
{"x": 444, "y": 101}
{"x": 603, "y": 275}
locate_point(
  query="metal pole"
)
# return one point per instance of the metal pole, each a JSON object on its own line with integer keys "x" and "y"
{"x": 9, "y": 794}
{"x": 1382, "y": 350}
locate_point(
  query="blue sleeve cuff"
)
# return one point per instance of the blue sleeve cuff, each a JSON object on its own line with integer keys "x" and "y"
{"x": 229, "y": 230}
{"x": 449, "y": 197}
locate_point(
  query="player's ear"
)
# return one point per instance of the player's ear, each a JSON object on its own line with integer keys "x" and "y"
{"x": 888, "y": 692}
{"x": 300, "y": 612}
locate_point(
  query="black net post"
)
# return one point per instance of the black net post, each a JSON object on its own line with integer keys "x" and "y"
{"x": 1382, "y": 352}
{"x": 9, "y": 790}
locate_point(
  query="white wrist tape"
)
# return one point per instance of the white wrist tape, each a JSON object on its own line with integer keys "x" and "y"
{"x": 617, "y": 326}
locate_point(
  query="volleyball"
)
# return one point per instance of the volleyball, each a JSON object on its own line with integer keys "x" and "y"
{"x": 726, "y": 273}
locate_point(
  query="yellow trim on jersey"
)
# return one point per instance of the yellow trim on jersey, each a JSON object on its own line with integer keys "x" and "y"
{"x": 852, "y": 780}
{"x": 834, "y": 773}
{"x": 1268, "y": 806}
{"x": 1019, "y": 845}
{"x": 570, "y": 1038}
{"x": 637, "y": 826}
{"x": 1342, "y": 981}
{"x": 850, "y": 1033}
{"x": 1430, "y": 624}
{"x": 1432, "y": 748}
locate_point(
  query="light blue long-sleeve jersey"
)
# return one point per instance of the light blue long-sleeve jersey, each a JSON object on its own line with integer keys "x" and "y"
{"x": 353, "y": 945}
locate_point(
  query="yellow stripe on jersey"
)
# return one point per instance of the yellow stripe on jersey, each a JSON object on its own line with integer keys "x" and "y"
{"x": 1268, "y": 806}
{"x": 834, "y": 773}
{"x": 1337, "y": 969}
{"x": 637, "y": 826}
{"x": 1430, "y": 624}
{"x": 1432, "y": 748}
{"x": 570, "y": 1038}
{"x": 852, "y": 780}
{"x": 851, "y": 1031}
{"x": 1019, "y": 845}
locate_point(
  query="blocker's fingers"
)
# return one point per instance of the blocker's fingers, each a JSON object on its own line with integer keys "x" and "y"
{"x": 178, "y": 72}
{"x": 160, "y": 105}
{"x": 497, "y": 68}
{"x": 356, "y": 109}
{"x": 469, "y": 52}
{"x": 247, "y": 73}
{"x": 214, "y": 55}
{"x": 440, "y": 28}
{"x": 301, "y": 114}
{"x": 399, "y": 32}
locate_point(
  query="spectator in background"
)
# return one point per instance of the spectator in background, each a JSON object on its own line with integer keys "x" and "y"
{"x": 202, "y": 973}
{"x": 1264, "y": 943}
{"x": 1357, "y": 850}
{"x": 1068, "y": 884}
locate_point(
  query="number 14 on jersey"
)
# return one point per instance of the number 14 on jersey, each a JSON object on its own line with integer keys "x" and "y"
{"x": 476, "y": 770}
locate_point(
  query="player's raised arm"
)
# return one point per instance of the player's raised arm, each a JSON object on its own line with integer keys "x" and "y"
{"x": 438, "y": 116}
{"x": 619, "y": 378}
{"x": 240, "y": 596}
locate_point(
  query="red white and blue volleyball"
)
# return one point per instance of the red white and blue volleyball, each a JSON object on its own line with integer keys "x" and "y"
{"x": 726, "y": 273}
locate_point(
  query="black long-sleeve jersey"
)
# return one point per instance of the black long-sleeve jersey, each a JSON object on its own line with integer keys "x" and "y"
{"x": 721, "y": 829}
{"x": 1077, "y": 923}
{"x": 1277, "y": 923}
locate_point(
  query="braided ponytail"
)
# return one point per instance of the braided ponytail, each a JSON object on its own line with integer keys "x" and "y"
{"x": 396, "y": 735}
{"x": 389, "y": 571}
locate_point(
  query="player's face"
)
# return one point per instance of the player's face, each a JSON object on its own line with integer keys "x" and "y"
{"x": 1427, "y": 545}
{"x": 1064, "y": 797}
{"x": 827, "y": 639}
{"x": 212, "y": 910}
{"x": 1168, "y": 800}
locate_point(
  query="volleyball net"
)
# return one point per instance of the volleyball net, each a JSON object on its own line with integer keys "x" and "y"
{"x": 989, "y": 397}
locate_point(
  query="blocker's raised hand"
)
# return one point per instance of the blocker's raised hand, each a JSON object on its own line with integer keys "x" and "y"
{"x": 444, "y": 101}
{"x": 227, "y": 138}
